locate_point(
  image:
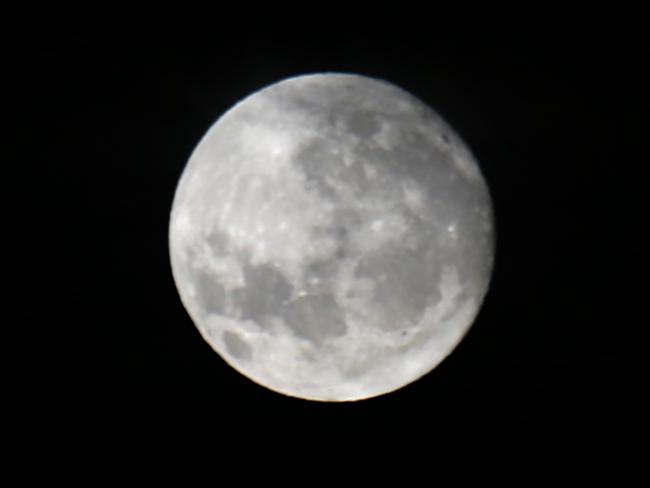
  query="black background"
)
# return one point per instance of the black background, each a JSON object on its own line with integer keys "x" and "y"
{"x": 104, "y": 372}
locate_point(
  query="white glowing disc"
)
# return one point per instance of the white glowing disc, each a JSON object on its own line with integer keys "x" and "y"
{"x": 332, "y": 237}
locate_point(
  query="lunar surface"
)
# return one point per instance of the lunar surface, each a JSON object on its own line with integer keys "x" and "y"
{"x": 331, "y": 237}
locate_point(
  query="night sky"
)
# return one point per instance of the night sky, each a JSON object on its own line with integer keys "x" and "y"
{"x": 104, "y": 373}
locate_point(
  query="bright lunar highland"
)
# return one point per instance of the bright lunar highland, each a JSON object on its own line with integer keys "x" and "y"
{"x": 332, "y": 237}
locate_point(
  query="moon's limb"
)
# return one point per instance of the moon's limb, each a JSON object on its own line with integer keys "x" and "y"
{"x": 331, "y": 237}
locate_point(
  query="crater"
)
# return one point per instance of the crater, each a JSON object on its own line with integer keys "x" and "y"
{"x": 236, "y": 346}
{"x": 316, "y": 318}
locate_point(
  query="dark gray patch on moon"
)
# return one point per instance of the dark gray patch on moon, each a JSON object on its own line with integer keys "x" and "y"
{"x": 218, "y": 242}
{"x": 318, "y": 160}
{"x": 264, "y": 294}
{"x": 419, "y": 160}
{"x": 210, "y": 294}
{"x": 405, "y": 284}
{"x": 316, "y": 318}
{"x": 325, "y": 170}
{"x": 236, "y": 346}
{"x": 362, "y": 124}
{"x": 321, "y": 275}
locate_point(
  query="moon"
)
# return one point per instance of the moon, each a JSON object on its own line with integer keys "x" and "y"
{"x": 331, "y": 237}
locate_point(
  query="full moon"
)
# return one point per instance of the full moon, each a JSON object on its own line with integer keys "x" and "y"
{"x": 331, "y": 237}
